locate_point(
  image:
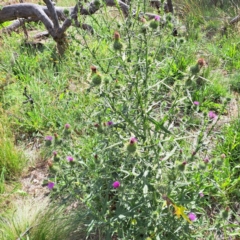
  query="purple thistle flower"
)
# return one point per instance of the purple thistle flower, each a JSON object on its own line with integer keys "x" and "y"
{"x": 54, "y": 153}
{"x": 133, "y": 140}
{"x": 192, "y": 216}
{"x": 206, "y": 160}
{"x": 116, "y": 184}
{"x": 109, "y": 123}
{"x": 48, "y": 141}
{"x": 51, "y": 185}
{"x": 67, "y": 125}
{"x": 70, "y": 159}
{"x": 157, "y": 18}
{"x": 212, "y": 115}
{"x": 201, "y": 194}
{"x": 196, "y": 103}
{"x": 49, "y": 138}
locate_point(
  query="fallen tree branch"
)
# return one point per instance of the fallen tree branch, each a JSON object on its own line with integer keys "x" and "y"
{"x": 235, "y": 20}
{"x": 31, "y": 10}
{"x": 50, "y": 15}
{"x": 14, "y": 25}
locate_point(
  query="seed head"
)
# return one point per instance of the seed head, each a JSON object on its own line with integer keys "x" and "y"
{"x": 143, "y": 20}
{"x": 206, "y": 160}
{"x": 116, "y": 35}
{"x": 201, "y": 62}
{"x": 223, "y": 156}
{"x": 94, "y": 69}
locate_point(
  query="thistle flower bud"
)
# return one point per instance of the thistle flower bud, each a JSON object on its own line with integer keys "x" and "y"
{"x": 143, "y": 20}
{"x": 153, "y": 24}
{"x": 94, "y": 69}
{"x": 116, "y": 36}
{"x": 182, "y": 166}
{"x": 99, "y": 128}
{"x": 96, "y": 77}
{"x": 201, "y": 62}
{"x": 55, "y": 157}
{"x": 66, "y": 130}
{"x": 48, "y": 141}
{"x": 57, "y": 140}
{"x": 132, "y": 145}
{"x": 117, "y": 45}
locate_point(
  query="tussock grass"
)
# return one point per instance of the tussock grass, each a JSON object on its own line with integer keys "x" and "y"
{"x": 37, "y": 219}
{"x": 12, "y": 159}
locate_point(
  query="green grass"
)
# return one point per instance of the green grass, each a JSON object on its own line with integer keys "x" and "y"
{"x": 37, "y": 219}
{"x": 12, "y": 159}
{"x": 152, "y": 90}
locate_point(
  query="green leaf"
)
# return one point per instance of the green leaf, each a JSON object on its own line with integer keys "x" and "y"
{"x": 159, "y": 125}
{"x": 234, "y": 234}
{"x": 145, "y": 190}
{"x": 121, "y": 216}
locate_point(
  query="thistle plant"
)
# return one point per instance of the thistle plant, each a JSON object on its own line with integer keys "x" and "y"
{"x": 138, "y": 151}
{"x": 125, "y": 167}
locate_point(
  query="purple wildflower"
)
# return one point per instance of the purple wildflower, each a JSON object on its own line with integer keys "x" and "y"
{"x": 196, "y": 103}
{"x": 116, "y": 184}
{"x": 51, "y": 185}
{"x": 206, "y": 160}
{"x": 157, "y": 18}
{"x": 212, "y": 115}
{"x": 70, "y": 159}
{"x": 109, "y": 123}
{"x": 192, "y": 216}
{"x": 54, "y": 153}
{"x": 67, "y": 125}
{"x": 184, "y": 163}
{"x": 48, "y": 141}
{"x": 133, "y": 140}
{"x": 201, "y": 194}
{"x": 49, "y": 138}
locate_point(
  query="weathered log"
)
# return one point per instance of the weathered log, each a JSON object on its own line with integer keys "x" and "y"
{"x": 49, "y": 15}
{"x": 30, "y": 10}
{"x": 235, "y": 20}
